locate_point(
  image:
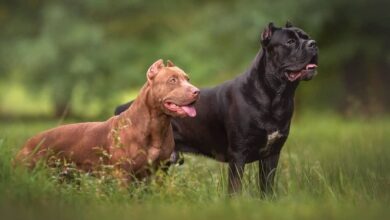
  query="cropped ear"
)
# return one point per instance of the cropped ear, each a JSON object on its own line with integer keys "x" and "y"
{"x": 170, "y": 63}
{"x": 267, "y": 34}
{"x": 154, "y": 69}
{"x": 289, "y": 24}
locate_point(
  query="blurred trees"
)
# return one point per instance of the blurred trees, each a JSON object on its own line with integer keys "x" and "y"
{"x": 354, "y": 44}
{"x": 94, "y": 49}
{"x": 66, "y": 51}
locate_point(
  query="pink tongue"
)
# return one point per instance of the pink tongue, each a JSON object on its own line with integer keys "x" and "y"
{"x": 309, "y": 66}
{"x": 190, "y": 110}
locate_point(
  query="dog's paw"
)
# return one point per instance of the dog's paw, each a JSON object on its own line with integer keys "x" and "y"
{"x": 176, "y": 158}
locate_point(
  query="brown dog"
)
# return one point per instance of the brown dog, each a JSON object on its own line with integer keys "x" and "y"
{"x": 140, "y": 136}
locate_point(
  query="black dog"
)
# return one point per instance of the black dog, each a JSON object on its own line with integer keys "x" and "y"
{"x": 248, "y": 118}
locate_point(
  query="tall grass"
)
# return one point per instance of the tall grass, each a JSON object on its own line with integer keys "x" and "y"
{"x": 329, "y": 168}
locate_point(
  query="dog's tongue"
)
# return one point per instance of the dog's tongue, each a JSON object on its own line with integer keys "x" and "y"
{"x": 295, "y": 75}
{"x": 311, "y": 66}
{"x": 190, "y": 110}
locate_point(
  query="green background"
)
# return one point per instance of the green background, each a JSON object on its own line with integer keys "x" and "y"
{"x": 88, "y": 56}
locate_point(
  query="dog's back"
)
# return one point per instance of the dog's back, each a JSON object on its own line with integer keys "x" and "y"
{"x": 67, "y": 141}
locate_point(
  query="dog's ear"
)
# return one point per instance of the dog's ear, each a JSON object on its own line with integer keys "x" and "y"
{"x": 154, "y": 69}
{"x": 289, "y": 24}
{"x": 267, "y": 34}
{"x": 170, "y": 63}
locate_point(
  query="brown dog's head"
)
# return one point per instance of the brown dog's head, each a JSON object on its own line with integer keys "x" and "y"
{"x": 169, "y": 86}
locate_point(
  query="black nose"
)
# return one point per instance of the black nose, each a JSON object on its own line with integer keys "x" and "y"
{"x": 312, "y": 44}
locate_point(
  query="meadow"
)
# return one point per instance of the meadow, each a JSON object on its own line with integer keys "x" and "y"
{"x": 330, "y": 168}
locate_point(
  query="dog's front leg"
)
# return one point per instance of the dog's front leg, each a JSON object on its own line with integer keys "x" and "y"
{"x": 269, "y": 161}
{"x": 123, "y": 178}
{"x": 267, "y": 170}
{"x": 236, "y": 171}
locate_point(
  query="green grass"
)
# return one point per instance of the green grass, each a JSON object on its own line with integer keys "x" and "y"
{"x": 331, "y": 168}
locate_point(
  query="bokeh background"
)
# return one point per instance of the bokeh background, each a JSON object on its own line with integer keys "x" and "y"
{"x": 80, "y": 59}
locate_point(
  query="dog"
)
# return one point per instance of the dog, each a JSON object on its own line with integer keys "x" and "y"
{"x": 248, "y": 118}
{"x": 131, "y": 142}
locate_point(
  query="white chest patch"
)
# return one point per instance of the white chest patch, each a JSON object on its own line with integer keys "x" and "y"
{"x": 276, "y": 135}
{"x": 271, "y": 139}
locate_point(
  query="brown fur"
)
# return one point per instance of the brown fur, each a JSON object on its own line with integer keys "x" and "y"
{"x": 140, "y": 136}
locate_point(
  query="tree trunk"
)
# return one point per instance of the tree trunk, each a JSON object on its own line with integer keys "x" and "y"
{"x": 62, "y": 96}
{"x": 62, "y": 109}
{"x": 365, "y": 86}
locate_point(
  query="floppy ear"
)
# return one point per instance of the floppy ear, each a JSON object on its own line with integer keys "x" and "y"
{"x": 289, "y": 24}
{"x": 154, "y": 69}
{"x": 267, "y": 34}
{"x": 170, "y": 63}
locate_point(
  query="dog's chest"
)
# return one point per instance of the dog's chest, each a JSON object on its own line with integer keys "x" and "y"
{"x": 167, "y": 148}
{"x": 282, "y": 109}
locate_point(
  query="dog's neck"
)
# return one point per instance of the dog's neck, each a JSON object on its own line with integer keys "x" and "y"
{"x": 146, "y": 115}
{"x": 266, "y": 74}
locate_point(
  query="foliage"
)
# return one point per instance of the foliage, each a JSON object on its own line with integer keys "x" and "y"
{"x": 97, "y": 50}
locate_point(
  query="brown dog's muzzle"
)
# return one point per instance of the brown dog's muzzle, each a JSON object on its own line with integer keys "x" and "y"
{"x": 194, "y": 92}
{"x": 182, "y": 100}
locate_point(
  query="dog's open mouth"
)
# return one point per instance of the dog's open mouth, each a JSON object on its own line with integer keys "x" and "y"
{"x": 187, "y": 109}
{"x": 305, "y": 74}
{"x": 301, "y": 74}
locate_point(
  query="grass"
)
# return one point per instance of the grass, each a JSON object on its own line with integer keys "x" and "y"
{"x": 331, "y": 168}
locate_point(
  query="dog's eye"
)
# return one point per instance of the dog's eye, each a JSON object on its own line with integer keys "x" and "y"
{"x": 291, "y": 42}
{"x": 305, "y": 37}
{"x": 172, "y": 80}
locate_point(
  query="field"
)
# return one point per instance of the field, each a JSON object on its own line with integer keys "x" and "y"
{"x": 331, "y": 168}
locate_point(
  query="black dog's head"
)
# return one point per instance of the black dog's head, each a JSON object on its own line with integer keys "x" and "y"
{"x": 291, "y": 51}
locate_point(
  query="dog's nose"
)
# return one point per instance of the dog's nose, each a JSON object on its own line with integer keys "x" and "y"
{"x": 195, "y": 91}
{"x": 312, "y": 44}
